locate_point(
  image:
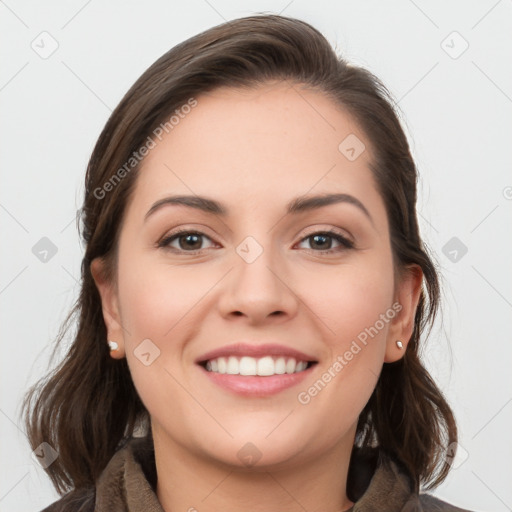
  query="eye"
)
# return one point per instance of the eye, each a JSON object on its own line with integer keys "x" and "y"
{"x": 185, "y": 241}
{"x": 323, "y": 241}
{"x": 193, "y": 242}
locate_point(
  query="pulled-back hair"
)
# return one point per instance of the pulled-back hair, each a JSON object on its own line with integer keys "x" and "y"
{"x": 88, "y": 406}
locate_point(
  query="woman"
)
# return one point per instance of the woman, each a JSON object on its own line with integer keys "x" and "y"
{"x": 254, "y": 291}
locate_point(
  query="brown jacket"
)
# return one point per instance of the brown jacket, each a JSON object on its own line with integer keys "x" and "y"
{"x": 128, "y": 483}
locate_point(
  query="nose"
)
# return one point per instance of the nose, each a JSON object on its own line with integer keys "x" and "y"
{"x": 259, "y": 290}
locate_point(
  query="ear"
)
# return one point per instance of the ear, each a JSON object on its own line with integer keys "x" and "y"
{"x": 110, "y": 306}
{"x": 407, "y": 296}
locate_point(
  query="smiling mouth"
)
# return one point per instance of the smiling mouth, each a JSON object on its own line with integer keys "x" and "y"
{"x": 256, "y": 366}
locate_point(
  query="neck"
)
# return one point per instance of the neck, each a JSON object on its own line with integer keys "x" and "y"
{"x": 187, "y": 482}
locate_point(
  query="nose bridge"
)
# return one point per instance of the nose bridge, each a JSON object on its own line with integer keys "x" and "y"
{"x": 258, "y": 282}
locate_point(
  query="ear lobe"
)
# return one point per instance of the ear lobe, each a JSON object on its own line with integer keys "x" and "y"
{"x": 402, "y": 326}
{"x": 109, "y": 306}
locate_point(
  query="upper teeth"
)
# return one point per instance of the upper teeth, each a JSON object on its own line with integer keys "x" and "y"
{"x": 263, "y": 366}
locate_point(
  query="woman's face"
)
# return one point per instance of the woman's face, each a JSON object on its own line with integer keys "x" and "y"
{"x": 253, "y": 274}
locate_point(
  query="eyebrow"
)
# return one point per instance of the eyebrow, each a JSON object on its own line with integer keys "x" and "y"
{"x": 298, "y": 205}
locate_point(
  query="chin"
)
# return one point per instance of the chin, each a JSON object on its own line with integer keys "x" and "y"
{"x": 258, "y": 448}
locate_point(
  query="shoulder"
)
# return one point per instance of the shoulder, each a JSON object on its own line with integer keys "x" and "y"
{"x": 379, "y": 481}
{"x": 75, "y": 501}
{"x": 431, "y": 504}
{"x": 126, "y": 483}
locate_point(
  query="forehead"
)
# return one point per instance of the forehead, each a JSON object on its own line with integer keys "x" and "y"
{"x": 276, "y": 124}
{"x": 263, "y": 145}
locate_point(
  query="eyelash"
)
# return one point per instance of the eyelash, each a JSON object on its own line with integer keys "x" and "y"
{"x": 344, "y": 242}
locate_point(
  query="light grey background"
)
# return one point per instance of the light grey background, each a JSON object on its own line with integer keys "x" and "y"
{"x": 458, "y": 111}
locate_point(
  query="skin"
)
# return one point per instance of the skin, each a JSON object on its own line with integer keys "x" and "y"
{"x": 254, "y": 151}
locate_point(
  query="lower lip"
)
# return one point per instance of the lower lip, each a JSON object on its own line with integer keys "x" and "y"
{"x": 253, "y": 385}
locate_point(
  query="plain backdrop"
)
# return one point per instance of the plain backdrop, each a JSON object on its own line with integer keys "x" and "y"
{"x": 66, "y": 65}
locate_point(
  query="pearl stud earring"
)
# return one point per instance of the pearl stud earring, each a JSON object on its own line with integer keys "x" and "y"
{"x": 113, "y": 346}
{"x": 399, "y": 344}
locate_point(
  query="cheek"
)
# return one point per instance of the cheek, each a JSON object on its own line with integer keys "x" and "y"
{"x": 156, "y": 304}
{"x": 162, "y": 303}
{"x": 156, "y": 301}
{"x": 352, "y": 300}
{"x": 355, "y": 307}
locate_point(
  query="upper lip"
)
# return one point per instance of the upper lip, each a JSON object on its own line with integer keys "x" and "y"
{"x": 261, "y": 350}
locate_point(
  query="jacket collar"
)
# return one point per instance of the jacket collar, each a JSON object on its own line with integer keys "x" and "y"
{"x": 375, "y": 482}
{"x": 128, "y": 483}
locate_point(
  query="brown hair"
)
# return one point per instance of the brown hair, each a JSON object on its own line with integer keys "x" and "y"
{"x": 88, "y": 405}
